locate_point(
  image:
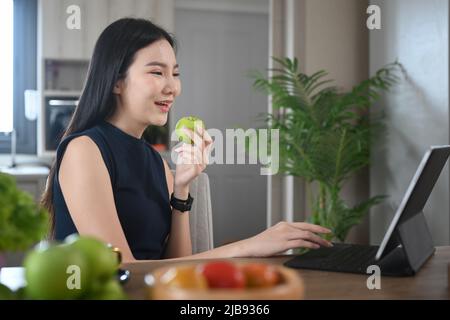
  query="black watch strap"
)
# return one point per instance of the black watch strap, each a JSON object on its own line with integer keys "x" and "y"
{"x": 181, "y": 205}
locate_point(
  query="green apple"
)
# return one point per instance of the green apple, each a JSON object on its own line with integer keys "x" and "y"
{"x": 21, "y": 293}
{"x": 6, "y": 293}
{"x": 189, "y": 123}
{"x": 109, "y": 290}
{"x": 102, "y": 260}
{"x": 55, "y": 272}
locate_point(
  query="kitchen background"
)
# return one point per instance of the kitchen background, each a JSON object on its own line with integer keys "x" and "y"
{"x": 220, "y": 41}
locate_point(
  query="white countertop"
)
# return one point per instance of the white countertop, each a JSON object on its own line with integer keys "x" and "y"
{"x": 26, "y": 170}
{"x": 13, "y": 277}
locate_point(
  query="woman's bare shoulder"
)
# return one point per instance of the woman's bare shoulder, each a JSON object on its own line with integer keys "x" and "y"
{"x": 82, "y": 152}
{"x": 82, "y": 144}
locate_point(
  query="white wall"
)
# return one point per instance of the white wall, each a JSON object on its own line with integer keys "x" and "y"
{"x": 329, "y": 35}
{"x": 336, "y": 40}
{"x": 417, "y": 111}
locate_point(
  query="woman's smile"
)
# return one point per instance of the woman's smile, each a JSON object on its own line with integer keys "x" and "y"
{"x": 164, "y": 105}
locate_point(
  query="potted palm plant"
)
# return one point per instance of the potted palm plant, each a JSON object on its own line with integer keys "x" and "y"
{"x": 325, "y": 135}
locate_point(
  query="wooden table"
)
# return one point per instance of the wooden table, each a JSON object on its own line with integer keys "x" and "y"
{"x": 430, "y": 283}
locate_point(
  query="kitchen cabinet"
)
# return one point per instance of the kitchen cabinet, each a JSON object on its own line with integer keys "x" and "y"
{"x": 60, "y": 42}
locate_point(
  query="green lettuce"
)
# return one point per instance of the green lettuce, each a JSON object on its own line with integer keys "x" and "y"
{"x": 22, "y": 222}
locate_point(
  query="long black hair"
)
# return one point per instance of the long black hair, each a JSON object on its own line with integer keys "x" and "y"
{"x": 113, "y": 54}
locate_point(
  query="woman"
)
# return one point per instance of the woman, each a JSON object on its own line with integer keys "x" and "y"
{"x": 108, "y": 183}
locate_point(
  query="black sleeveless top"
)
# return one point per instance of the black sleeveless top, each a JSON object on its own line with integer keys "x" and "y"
{"x": 139, "y": 186}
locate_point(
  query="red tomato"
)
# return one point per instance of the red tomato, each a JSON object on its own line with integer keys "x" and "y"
{"x": 260, "y": 275}
{"x": 222, "y": 274}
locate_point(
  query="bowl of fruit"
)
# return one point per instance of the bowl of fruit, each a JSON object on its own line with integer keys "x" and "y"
{"x": 224, "y": 280}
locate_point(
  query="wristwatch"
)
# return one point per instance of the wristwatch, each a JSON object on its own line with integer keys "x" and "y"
{"x": 181, "y": 205}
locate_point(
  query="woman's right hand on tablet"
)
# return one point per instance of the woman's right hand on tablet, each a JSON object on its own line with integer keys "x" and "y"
{"x": 284, "y": 236}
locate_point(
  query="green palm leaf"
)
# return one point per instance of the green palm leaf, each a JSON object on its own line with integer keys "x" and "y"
{"x": 325, "y": 134}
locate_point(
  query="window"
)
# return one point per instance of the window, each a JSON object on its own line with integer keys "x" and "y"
{"x": 18, "y": 26}
{"x": 6, "y": 65}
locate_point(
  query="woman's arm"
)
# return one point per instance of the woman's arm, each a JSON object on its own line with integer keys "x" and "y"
{"x": 275, "y": 240}
{"x": 191, "y": 161}
{"x": 87, "y": 191}
{"x": 179, "y": 242}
